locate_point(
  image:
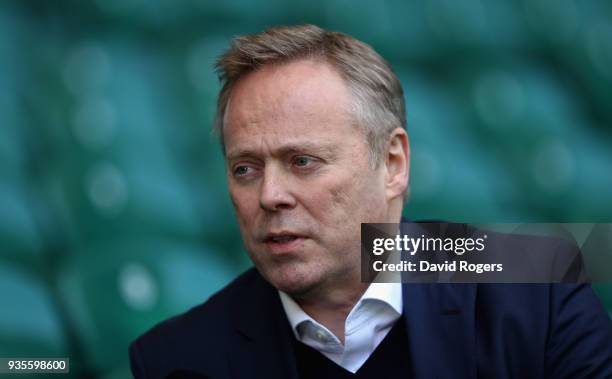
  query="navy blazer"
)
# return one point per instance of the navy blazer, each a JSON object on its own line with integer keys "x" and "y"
{"x": 453, "y": 331}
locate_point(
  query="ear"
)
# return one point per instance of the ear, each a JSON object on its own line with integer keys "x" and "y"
{"x": 397, "y": 163}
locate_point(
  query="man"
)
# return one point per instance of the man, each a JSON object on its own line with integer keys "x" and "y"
{"x": 312, "y": 127}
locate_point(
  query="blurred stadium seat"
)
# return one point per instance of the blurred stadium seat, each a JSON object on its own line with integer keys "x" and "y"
{"x": 122, "y": 288}
{"x": 21, "y": 240}
{"x": 30, "y": 325}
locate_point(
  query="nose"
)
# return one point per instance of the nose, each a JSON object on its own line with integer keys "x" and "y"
{"x": 275, "y": 192}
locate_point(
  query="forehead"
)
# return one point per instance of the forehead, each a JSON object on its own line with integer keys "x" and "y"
{"x": 300, "y": 100}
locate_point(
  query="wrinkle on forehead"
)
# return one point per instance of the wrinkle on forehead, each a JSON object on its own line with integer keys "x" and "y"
{"x": 300, "y": 93}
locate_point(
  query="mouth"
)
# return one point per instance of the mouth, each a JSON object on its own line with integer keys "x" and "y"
{"x": 282, "y": 239}
{"x": 283, "y": 242}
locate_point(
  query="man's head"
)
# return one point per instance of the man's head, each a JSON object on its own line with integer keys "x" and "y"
{"x": 312, "y": 128}
{"x": 378, "y": 101}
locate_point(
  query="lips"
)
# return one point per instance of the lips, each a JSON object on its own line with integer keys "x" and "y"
{"x": 283, "y": 242}
{"x": 282, "y": 236}
{"x": 282, "y": 239}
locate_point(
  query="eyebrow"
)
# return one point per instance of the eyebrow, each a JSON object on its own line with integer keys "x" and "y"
{"x": 327, "y": 151}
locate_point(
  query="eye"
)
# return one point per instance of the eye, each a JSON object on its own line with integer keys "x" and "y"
{"x": 302, "y": 161}
{"x": 241, "y": 171}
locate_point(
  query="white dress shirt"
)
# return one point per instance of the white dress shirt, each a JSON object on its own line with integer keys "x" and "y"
{"x": 365, "y": 327}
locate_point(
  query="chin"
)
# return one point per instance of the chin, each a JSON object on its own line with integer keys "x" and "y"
{"x": 292, "y": 282}
{"x": 296, "y": 290}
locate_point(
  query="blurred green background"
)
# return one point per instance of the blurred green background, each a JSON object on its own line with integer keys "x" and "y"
{"x": 113, "y": 204}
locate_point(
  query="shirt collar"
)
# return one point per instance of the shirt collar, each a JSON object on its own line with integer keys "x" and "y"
{"x": 387, "y": 293}
{"x": 294, "y": 312}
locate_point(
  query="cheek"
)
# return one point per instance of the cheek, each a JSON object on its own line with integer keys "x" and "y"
{"x": 337, "y": 200}
{"x": 340, "y": 196}
{"x": 245, "y": 204}
{"x": 348, "y": 190}
{"x": 358, "y": 198}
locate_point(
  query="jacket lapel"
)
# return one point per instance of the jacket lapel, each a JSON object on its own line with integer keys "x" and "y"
{"x": 264, "y": 349}
{"x": 440, "y": 322}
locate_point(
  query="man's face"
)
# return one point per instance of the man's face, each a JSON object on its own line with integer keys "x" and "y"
{"x": 299, "y": 175}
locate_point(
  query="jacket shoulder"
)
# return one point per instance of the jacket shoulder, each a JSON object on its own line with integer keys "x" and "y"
{"x": 183, "y": 340}
{"x": 215, "y": 309}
